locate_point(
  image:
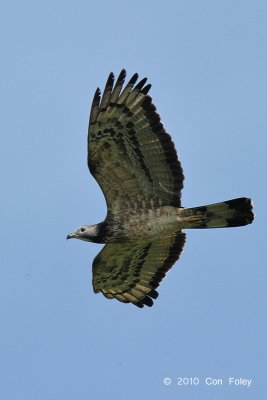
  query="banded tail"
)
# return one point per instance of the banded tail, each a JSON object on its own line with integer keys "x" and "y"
{"x": 236, "y": 212}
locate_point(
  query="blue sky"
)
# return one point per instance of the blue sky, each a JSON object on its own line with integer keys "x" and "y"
{"x": 206, "y": 63}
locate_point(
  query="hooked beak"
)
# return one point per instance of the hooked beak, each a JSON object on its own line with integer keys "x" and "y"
{"x": 71, "y": 235}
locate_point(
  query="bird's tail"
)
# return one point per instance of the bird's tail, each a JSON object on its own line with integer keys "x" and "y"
{"x": 236, "y": 212}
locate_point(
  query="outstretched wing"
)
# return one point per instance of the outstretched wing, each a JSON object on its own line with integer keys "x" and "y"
{"x": 130, "y": 272}
{"x": 129, "y": 152}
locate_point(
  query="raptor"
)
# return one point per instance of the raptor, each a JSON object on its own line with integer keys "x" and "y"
{"x": 135, "y": 163}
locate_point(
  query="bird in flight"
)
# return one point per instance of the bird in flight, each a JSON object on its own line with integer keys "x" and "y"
{"x": 134, "y": 161}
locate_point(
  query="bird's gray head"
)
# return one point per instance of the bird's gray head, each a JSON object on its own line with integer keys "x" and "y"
{"x": 89, "y": 233}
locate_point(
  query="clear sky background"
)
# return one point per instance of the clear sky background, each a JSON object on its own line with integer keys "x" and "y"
{"x": 205, "y": 60}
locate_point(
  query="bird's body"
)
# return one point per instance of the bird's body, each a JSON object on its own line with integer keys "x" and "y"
{"x": 135, "y": 163}
{"x": 151, "y": 222}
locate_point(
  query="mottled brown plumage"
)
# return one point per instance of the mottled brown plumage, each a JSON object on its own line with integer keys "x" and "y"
{"x": 136, "y": 165}
{"x": 129, "y": 152}
{"x": 131, "y": 271}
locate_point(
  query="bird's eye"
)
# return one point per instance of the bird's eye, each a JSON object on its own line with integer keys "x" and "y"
{"x": 82, "y": 229}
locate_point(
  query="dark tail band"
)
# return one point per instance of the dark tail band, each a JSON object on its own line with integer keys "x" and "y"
{"x": 236, "y": 212}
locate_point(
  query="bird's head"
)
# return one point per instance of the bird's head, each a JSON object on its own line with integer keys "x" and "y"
{"x": 89, "y": 233}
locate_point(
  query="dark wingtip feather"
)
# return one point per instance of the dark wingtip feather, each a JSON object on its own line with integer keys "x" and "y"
{"x": 147, "y": 301}
{"x": 140, "y": 84}
{"x": 154, "y": 294}
{"x": 147, "y": 103}
{"x": 97, "y": 96}
{"x": 118, "y": 86}
{"x": 121, "y": 77}
{"x": 146, "y": 89}
{"x": 122, "y": 74}
{"x": 107, "y": 91}
{"x": 110, "y": 78}
{"x": 95, "y": 106}
{"x": 109, "y": 83}
{"x": 133, "y": 79}
{"x": 139, "y": 304}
